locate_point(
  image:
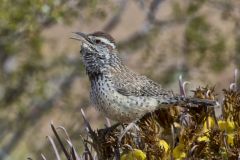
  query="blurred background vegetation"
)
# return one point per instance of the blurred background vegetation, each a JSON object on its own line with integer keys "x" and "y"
{"x": 42, "y": 78}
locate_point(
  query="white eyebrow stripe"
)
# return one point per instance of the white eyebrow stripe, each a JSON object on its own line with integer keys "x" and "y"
{"x": 106, "y": 41}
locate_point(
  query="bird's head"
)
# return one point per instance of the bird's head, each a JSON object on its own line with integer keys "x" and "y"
{"x": 98, "y": 50}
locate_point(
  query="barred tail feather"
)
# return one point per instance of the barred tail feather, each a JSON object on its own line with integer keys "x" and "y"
{"x": 179, "y": 100}
{"x": 199, "y": 101}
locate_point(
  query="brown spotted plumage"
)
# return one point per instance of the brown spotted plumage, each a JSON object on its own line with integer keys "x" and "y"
{"x": 116, "y": 91}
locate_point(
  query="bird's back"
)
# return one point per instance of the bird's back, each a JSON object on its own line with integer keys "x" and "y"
{"x": 129, "y": 83}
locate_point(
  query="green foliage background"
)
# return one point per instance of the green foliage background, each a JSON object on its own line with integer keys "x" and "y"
{"x": 35, "y": 88}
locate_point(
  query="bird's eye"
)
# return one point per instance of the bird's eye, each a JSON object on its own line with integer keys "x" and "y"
{"x": 97, "y": 41}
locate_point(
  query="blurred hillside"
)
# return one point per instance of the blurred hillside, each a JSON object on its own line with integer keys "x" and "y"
{"x": 42, "y": 78}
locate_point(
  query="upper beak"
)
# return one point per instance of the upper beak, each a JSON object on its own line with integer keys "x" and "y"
{"x": 80, "y": 37}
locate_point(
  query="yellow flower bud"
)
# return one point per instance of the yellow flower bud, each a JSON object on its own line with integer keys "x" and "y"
{"x": 163, "y": 144}
{"x": 208, "y": 124}
{"x": 227, "y": 126}
{"x": 178, "y": 152}
{"x": 230, "y": 138}
{"x": 203, "y": 139}
{"x": 135, "y": 154}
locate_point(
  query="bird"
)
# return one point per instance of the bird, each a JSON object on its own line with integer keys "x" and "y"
{"x": 116, "y": 91}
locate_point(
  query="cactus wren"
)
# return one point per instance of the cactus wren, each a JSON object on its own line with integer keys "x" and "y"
{"x": 116, "y": 91}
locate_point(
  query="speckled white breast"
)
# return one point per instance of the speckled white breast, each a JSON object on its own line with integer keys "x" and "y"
{"x": 117, "y": 106}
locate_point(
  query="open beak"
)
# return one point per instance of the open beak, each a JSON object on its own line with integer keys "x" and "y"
{"x": 81, "y": 37}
